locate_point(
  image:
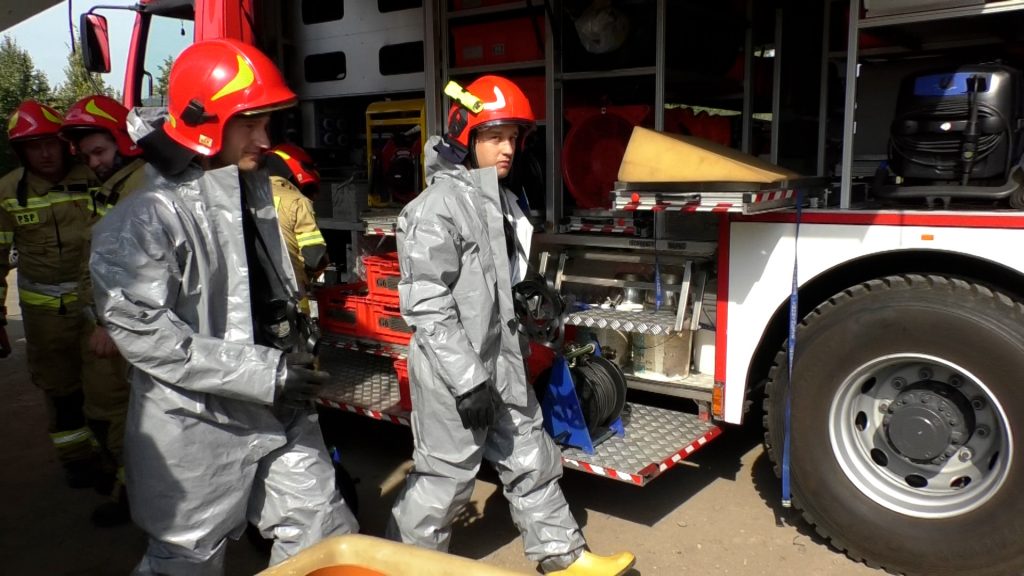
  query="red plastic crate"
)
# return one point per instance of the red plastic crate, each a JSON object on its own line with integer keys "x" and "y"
{"x": 382, "y": 276}
{"x": 387, "y": 323}
{"x": 511, "y": 40}
{"x": 344, "y": 309}
{"x": 402, "y": 370}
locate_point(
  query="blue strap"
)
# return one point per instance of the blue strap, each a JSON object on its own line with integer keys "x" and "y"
{"x": 658, "y": 293}
{"x": 787, "y": 499}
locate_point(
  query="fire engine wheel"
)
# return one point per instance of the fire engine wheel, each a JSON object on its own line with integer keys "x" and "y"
{"x": 906, "y": 436}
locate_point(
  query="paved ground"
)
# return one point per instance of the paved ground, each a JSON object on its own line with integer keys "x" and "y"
{"x": 719, "y": 515}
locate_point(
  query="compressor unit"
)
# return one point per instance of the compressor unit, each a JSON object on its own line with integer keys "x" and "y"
{"x": 957, "y": 134}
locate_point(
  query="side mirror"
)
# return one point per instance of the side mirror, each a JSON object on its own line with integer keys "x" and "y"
{"x": 95, "y": 43}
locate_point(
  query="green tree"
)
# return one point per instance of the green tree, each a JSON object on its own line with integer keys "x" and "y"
{"x": 163, "y": 74}
{"x": 19, "y": 80}
{"x": 78, "y": 82}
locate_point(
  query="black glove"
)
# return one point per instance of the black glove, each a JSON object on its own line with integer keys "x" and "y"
{"x": 476, "y": 407}
{"x": 302, "y": 381}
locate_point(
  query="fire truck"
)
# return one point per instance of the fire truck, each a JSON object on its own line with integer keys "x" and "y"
{"x": 870, "y": 292}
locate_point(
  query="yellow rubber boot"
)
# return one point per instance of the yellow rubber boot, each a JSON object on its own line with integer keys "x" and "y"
{"x": 590, "y": 564}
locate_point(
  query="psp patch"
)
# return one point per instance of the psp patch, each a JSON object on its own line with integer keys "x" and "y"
{"x": 26, "y": 218}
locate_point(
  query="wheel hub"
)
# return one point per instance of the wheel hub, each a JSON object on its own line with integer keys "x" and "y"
{"x": 920, "y": 435}
{"x": 926, "y": 424}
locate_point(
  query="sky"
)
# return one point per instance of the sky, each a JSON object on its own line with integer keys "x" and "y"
{"x": 46, "y": 38}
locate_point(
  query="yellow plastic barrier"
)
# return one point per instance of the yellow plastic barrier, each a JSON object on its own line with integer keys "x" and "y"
{"x": 358, "y": 555}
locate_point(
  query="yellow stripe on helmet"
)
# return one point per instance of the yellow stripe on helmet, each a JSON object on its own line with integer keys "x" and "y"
{"x": 92, "y": 108}
{"x": 50, "y": 116}
{"x": 242, "y": 80}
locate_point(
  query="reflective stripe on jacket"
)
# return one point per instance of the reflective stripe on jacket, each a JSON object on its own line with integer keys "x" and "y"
{"x": 49, "y": 229}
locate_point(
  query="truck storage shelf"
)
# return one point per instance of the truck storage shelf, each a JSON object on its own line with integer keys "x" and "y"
{"x": 613, "y": 73}
{"x": 642, "y": 321}
{"x": 491, "y": 10}
{"x": 592, "y": 241}
{"x": 695, "y": 386}
{"x": 723, "y": 197}
{"x": 600, "y": 228}
{"x": 336, "y": 224}
{"x": 377, "y": 348}
{"x": 997, "y": 7}
{"x": 495, "y": 68}
{"x": 381, "y": 225}
{"x": 362, "y": 384}
{"x": 656, "y": 440}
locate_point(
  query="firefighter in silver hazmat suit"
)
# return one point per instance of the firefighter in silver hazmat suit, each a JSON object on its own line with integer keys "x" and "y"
{"x": 221, "y": 427}
{"x": 468, "y": 379}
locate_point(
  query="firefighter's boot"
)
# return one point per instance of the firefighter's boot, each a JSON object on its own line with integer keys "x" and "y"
{"x": 80, "y": 473}
{"x": 106, "y": 474}
{"x": 115, "y": 512}
{"x": 590, "y": 564}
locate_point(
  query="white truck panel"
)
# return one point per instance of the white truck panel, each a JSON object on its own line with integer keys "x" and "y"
{"x": 761, "y": 270}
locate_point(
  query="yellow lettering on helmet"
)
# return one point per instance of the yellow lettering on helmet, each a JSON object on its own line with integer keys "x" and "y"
{"x": 242, "y": 80}
{"x": 92, "y": 108}
{"x": 284, "y": 155}
{"x": 50, "y": 116}
{"x": 12, "y": 122}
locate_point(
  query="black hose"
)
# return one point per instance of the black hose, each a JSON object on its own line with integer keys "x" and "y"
{"x": 598, "y": 394}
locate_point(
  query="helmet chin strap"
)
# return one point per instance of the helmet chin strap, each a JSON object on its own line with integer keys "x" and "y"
{"x": 471, "y": 161}
{"x": 118, "y": 163}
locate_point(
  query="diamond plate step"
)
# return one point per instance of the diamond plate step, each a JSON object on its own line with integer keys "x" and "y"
{"x": 363, "y": 384}
{"x": 656, "y": 439}
{"x": 642, "y": 321}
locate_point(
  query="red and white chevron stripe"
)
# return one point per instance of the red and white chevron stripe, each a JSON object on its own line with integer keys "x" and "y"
{"x": 775, "y": 195}
{"x": 685, "y": 452}
{"x": 375, "y": 414}
{"x": 604, "y": 229}
{"x": 606, "y": 472}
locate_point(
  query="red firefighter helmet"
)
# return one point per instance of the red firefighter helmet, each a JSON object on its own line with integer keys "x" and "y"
{"x": 300, "y": 163}
{"x": 99, "y": 112}
{"x": 500, "y": 102}
{"x": 213, "y": 80}
{"x": 33, "y": 120}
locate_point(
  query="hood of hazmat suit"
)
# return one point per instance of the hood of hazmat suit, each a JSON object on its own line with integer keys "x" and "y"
{"x": 205, "y": 445}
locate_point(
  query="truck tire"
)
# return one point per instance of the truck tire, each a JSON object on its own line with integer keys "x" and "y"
{"x": 907, "y": 425}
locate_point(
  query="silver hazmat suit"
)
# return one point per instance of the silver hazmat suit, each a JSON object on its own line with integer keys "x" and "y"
{"x": 456, "y": 292}
{"x": 205, "y": 447}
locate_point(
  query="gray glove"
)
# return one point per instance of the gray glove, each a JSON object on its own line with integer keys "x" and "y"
{"x": 476, "y": 407}
{"x": 302, "y": 382}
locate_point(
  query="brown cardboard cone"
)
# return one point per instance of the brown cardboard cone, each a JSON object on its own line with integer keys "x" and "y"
{"x": 659, "y": 157}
